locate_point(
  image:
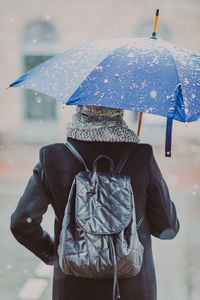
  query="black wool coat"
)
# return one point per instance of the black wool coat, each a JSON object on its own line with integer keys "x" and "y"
{"x": 50, "y": 184}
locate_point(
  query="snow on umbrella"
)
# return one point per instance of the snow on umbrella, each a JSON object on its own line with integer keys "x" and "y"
{"x": 138, "y": 74}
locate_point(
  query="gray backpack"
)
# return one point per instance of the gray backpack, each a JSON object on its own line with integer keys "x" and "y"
{"x": 99, "y": 233}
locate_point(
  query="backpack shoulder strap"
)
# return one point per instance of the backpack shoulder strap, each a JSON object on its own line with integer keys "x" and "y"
{"x": 123, "y": 160}
{"x": 76, "y": 154}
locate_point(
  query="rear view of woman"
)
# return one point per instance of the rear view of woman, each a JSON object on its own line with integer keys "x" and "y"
{"x": 95, "y": 131}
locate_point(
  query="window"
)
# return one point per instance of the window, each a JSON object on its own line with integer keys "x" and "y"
{"x": 38, "y": 44}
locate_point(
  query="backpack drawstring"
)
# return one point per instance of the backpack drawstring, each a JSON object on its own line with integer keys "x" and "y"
{"x": 116, "y": 294}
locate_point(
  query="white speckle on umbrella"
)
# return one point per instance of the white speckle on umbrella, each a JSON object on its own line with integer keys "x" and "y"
{"x": 131, "y": 54}
{"x": 186, "y": 81}
{"x": 153, "y": 94}
{"x": 143, "y": 83}
{"x": 105, "y": 80}
{"x": 116, "y": 75}
{"x": 186, "y": 111}
{"x": 99, "y": 68}
{"x": 54, "y": 66}
{"x": 122, "y": 97}
{"x": 28, "y": 220}
{"x": 96, "y": 93}
{"x": 150, "y": 109}
{"x": 102, "y": 95}
{"x": 155, "y": 60}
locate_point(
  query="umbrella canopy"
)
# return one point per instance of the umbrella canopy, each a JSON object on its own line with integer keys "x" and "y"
{"x": 142, "y": 74}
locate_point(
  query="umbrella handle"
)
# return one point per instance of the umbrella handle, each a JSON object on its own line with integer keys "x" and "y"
{"x": 155, "y": 23}
{"x": 153, "y": 34}
{"x": 168, "y": 138}
{"x": 139, "y": 123}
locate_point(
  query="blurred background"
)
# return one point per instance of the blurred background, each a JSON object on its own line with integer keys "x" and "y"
{"x": 31, "y": 32}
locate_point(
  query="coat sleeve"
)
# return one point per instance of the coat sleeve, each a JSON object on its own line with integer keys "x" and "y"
{"x": 161, "y": 211}
{"x": 26, "y": 219}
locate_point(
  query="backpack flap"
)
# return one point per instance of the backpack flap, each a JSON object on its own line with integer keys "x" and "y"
{"x": 104, "y": 202}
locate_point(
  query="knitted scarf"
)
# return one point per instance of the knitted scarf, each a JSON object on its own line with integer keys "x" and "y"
{"x": 92, "y": 123}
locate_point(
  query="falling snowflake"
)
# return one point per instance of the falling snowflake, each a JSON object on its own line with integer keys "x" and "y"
{"x": 28, "y": 220}
{"x": 105, "y": 80}
{"x": 9, "y": 267}
{"x": 38, "y": 99}
{"x": 47, "y": 17}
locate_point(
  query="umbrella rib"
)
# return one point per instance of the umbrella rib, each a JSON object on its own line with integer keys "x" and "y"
{"x": 99, "y": 75}
{"x": 174, "y": 65}
{"x": 179, "y": 81}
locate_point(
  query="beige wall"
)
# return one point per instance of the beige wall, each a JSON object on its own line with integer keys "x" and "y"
{"x": 77, "y": 22}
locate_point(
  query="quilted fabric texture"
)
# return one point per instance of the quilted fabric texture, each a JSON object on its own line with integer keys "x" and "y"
{"x": 103, "y": 202}
{"x": 100, "y": 206}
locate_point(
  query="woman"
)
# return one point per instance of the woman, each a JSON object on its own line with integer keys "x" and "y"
{"x": 95, "y": 131}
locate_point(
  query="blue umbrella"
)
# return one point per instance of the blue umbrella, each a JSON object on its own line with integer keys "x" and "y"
{"x": 138, "y": 74}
